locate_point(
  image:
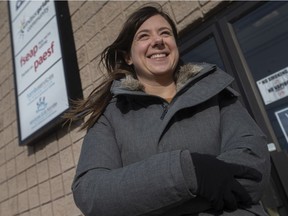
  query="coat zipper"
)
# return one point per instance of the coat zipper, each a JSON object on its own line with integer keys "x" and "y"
{"x": 165, "y": 110}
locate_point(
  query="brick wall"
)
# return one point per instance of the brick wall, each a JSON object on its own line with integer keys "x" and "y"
{"x": 36, "y": 180}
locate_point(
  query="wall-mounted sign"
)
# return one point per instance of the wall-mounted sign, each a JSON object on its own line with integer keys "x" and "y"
{"x": 274, "y": 87}
{"x": 45, "y": 65}
{"x": 282, "y": 117}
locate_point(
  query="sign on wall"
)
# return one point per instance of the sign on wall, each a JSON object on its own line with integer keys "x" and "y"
{"x": 40, "y": 69}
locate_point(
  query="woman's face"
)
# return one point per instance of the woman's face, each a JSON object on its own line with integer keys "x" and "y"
{"x": 154, "y": 52}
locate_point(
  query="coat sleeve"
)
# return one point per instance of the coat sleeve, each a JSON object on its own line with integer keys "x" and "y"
{"x": 103, "y": 187}
{"x": 243, "y": 143}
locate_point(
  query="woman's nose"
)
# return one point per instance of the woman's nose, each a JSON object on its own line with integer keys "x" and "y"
{"x": 158, "y": 41}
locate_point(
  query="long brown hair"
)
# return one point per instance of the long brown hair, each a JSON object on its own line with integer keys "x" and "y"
{"x": 113, "y": 59}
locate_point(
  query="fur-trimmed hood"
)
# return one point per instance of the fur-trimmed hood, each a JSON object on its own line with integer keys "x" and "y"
{"x": 183, "y": 75}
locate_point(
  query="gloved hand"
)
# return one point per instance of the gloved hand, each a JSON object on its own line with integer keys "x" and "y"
{"x": 217, "y": 181}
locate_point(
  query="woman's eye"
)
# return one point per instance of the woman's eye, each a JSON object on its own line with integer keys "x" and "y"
{"x": 166, "y": 33}
{"x": 142, "y": 36}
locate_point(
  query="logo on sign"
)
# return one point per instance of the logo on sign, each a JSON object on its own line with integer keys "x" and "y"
{"x": 41, "y": 104}
{"x": 41, "y": 59}
{"x": 19, "y": 3}
{"x": 27, "y": 24}
{"x": 29, "y": 55}
{"x": 45, "y": 55}
{"x": 21, "y": 28}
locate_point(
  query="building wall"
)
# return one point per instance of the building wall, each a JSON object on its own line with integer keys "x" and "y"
{"x": 36, "y": 180}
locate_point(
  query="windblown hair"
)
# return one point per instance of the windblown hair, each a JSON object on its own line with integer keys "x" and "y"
{"x": 113, "y": 60}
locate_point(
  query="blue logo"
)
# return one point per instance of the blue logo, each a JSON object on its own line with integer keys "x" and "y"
{"x": 41, "y": 104}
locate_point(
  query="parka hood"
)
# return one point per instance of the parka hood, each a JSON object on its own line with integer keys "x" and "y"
{"x": 183, "y": 75}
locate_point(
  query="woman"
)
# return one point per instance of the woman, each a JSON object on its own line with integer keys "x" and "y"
{"x": 165, "y": 138}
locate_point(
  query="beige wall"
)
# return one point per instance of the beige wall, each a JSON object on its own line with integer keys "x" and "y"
{"x": 36, "y": 180}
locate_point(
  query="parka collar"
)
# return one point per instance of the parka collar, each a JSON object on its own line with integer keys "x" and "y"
{"x": 130, "y": 85}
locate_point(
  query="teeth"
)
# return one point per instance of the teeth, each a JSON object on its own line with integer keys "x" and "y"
{"x": 158, "y": 55}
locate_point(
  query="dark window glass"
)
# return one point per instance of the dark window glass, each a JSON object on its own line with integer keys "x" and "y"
{"x": 206, "y": 51}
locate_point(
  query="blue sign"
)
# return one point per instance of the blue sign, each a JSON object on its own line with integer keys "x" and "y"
{"x": 282, "y": 117}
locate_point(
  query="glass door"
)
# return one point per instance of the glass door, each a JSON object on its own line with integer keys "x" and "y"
{"x": 263, "y": 38}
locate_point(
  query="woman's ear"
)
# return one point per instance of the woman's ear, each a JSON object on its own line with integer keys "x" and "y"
{"x": 128, "y": 59}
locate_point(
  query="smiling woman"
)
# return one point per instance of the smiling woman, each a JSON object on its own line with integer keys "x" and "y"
{"x": 165, "y": 138}
{"x": 154, "y": 56}
{"x": 118, "y": 59}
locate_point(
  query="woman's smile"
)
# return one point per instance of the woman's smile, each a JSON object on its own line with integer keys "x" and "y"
{"x": 158, "y": 56}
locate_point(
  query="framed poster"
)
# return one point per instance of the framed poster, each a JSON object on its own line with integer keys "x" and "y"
{"x": 45, "y": 65}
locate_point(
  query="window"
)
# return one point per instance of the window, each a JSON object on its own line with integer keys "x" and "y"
{"x": 249, "y": 41}
{"x": 263, "y": 38}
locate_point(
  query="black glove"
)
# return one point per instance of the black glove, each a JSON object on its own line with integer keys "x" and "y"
{"x": 217, "y": 181}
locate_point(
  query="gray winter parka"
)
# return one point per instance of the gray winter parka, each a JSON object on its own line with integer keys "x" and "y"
{"x": 136, "y": 159}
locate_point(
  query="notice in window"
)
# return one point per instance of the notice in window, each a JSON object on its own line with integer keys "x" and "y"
{"x": 274, "y": 87}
